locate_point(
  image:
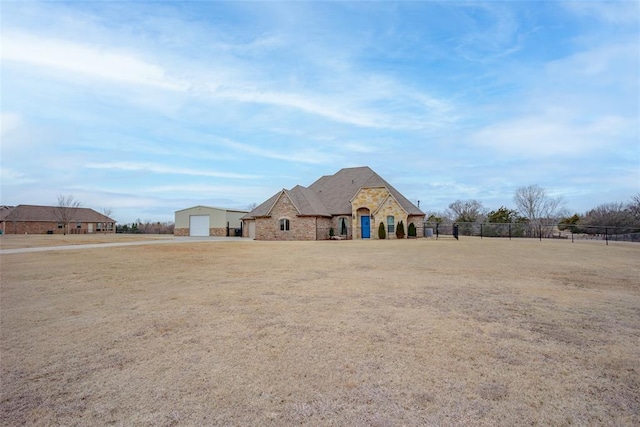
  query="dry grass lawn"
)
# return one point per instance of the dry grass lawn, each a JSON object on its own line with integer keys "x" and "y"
{"x": 16, "y": 241}
{"x": 373, "y": 333}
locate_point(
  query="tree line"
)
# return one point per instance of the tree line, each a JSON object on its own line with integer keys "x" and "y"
{"x": 534, "y": 208}
{"x": 146, "y": 227}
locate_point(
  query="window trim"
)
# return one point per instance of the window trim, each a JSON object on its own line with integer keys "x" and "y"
{"x": 285, "y": 224}
{"x": 391, "y": 224}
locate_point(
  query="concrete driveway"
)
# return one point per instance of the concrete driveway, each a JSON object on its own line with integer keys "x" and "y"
{"x": 117, "y": 244}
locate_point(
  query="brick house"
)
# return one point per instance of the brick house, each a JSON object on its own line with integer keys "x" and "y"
{"x": 33, "y": 219}
{"x": 353, "y": 203}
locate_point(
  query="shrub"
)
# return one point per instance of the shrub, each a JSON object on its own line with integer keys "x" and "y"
{"x": 400, "y": 231}
{"x": 331, "y": 232}
{"x": 412, "y": 230}
{"x": 382, "y": 233}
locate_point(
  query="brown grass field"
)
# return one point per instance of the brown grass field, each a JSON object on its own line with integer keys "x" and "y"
{"x": 343, "y": 333}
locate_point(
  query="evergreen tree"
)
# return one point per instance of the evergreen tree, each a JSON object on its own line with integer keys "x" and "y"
{"x": 382, "y": 233}
{"x": 400, "y": 231}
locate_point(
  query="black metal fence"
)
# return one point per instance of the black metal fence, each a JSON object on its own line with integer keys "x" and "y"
{"x": 535, "y": 231}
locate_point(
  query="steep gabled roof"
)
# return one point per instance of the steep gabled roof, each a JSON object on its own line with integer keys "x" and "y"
{"x": 48, "y": 214}
{"x": 307, "y": 202}
{"x": 332, "y": 194}
{"x": 264, "y": 208}
{"x": 336, "y": 191}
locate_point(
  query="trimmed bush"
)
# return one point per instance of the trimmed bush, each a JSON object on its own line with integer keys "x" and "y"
{"x": 412, "y": 230}
{"x": 400, "y": 231}
{"x": 382, "y": 233}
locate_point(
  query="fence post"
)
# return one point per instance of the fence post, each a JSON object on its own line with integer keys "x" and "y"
{"x": 480, "y": 231}
{"x": 509, "y": 231}
{"x": 540, "y": 231}
{"x": 606, "y": 235}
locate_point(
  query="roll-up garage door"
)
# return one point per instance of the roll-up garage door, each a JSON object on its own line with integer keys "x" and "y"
{"x": 199, "y": 225}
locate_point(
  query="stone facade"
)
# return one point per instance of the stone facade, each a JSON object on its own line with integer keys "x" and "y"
{"x": 180, "y": 232}
{"x": 217, "y": 232}
{"x": 380, "y": 205}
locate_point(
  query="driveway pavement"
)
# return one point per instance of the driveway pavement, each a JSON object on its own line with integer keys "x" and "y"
{"x": 116, "y": 244}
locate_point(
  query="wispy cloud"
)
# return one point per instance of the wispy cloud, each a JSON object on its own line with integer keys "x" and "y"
{"x": 91, "y": 61}
{"x": 614, "y": 12}
{"x": 9, "y": 176}
{"x": 298, "y": 155}
{"x": 9, "y": 122}
{"x": 482, "y": 42}
{"x": 182, "y": 101}
{"x": 127, "y": 67}
{"x": 162, "y": 169}
{"x": 545, "y": 136}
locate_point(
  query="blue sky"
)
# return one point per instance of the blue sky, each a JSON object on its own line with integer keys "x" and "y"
{"x": 151, "y": 107}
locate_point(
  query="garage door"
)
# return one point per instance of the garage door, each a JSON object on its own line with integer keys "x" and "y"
{"x": 199, "y": 225}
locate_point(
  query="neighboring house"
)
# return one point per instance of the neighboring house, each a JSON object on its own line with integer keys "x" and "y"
{"x": 33, "y": 219}
{"x": 353, "y": 203}
{"x": 208, "y": 221}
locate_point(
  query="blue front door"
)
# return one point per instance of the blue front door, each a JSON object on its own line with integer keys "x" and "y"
{"x": 365, "y": 225}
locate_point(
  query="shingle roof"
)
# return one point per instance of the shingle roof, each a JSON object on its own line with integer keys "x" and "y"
{"x": 307, "y": 202}
{"x": 332, "y": 194}
{"x": 48, "y": 214}
{"x": 4, "y": 211}
{"x": 264, "y": 208}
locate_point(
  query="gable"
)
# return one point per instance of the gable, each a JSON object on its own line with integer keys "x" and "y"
{"x": 378, "y": 199}
{"x": 332, "y": 195}
{"x": 283, "y": 206}
{"x": 390, "y": 205}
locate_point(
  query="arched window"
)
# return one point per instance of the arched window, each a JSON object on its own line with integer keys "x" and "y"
{"x": 284, "y": 224}
{"x": 390, "y": 224}
{"x": 342, "y": 226}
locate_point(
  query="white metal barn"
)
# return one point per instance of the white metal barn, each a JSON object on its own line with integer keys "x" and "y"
{"x": 208, "y": 221}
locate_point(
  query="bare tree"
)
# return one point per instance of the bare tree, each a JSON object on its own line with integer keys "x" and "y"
{"x": 467, "y": 210}
{"x": 634, "y": 207}
{"x": 252, "y": 206}
{"x": 534, "y": 204}
{"x": 613, "y": 215}
{"x": 65, "y": 210}
{"x": 537, "y": 206}
{"x": 107, "y": 212}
